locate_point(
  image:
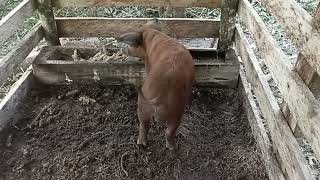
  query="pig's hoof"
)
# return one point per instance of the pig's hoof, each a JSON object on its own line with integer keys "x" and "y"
{"x": 171, "y": 146}
{"x": 141, "y": 142}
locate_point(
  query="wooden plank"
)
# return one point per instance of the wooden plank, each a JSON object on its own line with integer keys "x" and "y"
{"x": 214, "y": 70}
{"x": 293, "y": 18}
{"x": 108, "y": 27}
{"x": 12, "y": 21}
{"x": 316, "y": 18}
{"x": 227, "y": 27}
{"x": 304, "y": 69}
{"x": 148, "y": 3}
{"x": 46, "y": 15}
{"x": 18, "y": 54}
{"x": 55, "y": 72}
{"x": 301, "y": 102}
{"x": 292, "y": 161}
{"x": 258, "y": 130}
{"x": 9, "y": 106}
{"x": 298, "y": 24}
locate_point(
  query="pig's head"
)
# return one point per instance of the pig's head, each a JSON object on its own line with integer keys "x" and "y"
{"x": 135, "y": 40}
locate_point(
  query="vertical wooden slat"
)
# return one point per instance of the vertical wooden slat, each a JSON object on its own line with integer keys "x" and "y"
{"x": 227, "y": 28}
{"x": 48, "y": 22}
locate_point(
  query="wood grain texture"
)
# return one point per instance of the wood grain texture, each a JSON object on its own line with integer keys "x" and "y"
{"x": 18, "y": 54}
{"x": 258, "y": 130}
{"x": 228, "y": 20}
{"x": 301, "y": 102}
{"x": 9, "y": 106}
{"x": 222, "y": 73}
{"x": 112, "y": 27}
{"x": 149, "y": 3}
{"x": 298, "y": 24}
{"x": 14, "y": 20}
{"x": 292, "y": 17}
{"x": 46, "y": 15}
{"x": 291, "y": 159}
{"x": 316, "y": 18}
{"x": 55, "y": 72}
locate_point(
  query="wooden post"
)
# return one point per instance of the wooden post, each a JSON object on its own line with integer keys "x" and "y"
{"x": 48, "y": 22}
{"x": 227, "y": 28}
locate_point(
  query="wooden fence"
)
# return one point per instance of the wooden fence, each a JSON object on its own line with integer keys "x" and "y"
{"x": 300, "y": 87}
{"x": 301, "y": 106}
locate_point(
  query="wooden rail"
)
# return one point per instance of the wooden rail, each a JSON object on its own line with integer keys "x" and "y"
{"x": 300, "y": 99}
{"x": 256, "y": 123}
{"x": 49, "y": 69}
{"x": 150, "y": 3}
{"x": 18, "y": 54}
{"x": 305, "y": 69}
{"x": 285, "y": 145}
{"x": 108, "y": 27}
{"x": 293, "y": 18}
{"x": 12, "y": 21}
{"x": 9, "y": 106}
{"x": 299, "y": 26}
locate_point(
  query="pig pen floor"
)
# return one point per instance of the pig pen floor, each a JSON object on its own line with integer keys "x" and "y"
{"x": 90, "y": 132}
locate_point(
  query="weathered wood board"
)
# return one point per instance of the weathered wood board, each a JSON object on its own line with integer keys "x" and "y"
{"x": 150, "y": 3}
{"x": 301, "y": 101}
{"x": 46, "y": 15}
{"x": 301, "y": 28}
{"x": 258, "y": 130}
{"x": 223, "y": 73}
{"x": 291, "y": 159}
{"x": 292, "y": 17}
{"x": 227, "y": 27}
{"x": 9, "y": 106}
{"x": 13, "y": 20}
{"x": 112, "y": 27}
{"x": 19, "y": 53}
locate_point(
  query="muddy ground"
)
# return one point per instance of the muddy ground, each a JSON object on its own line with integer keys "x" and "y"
{"x": 90, "y": 132}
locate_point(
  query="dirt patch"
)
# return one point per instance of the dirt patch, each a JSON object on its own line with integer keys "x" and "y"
{"x": 89, "y": 132}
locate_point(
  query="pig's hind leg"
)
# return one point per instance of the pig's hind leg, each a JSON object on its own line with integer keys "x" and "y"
{"x": 172, "y": 126}
{"x": 145, "y": 113}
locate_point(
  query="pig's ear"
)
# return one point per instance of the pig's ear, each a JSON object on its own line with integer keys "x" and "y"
{"x": 133, "y": 38}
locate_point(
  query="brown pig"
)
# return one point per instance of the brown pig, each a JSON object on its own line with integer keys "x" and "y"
{"x": 168, "y": 84}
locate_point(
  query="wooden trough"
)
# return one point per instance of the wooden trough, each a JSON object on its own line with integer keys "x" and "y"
{"x": 276, "y": 128}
